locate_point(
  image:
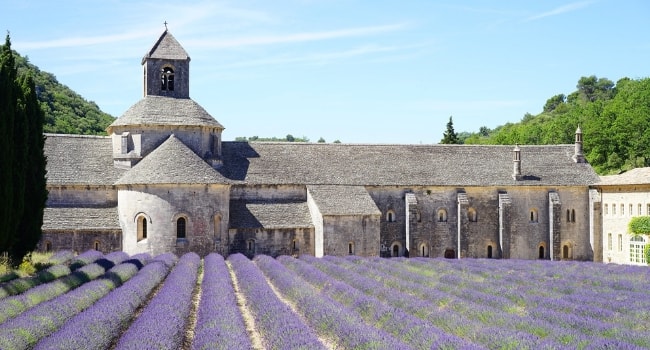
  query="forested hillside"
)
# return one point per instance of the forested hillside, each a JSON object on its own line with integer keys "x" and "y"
{"x": 66, "y": 112}
{"x": 614, "y": 118}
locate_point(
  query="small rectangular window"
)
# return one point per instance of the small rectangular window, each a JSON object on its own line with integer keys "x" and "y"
{"x": 606, "y": 209}
{"x": 638, "y": 212}
{"x": 622, "y": 210}
{"x": 631, "y": 211}
{"x": 609, "y": 241}
{"x": 620, "y": 242}
{"x": 613, "y": 209}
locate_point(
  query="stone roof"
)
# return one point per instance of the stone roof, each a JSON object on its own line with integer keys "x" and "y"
{"x": 80, "y": 160}
{"x": 172, "y": 163}
{"x": 343, "y": 200}
{"x": 161, "y": 110}
{"x": 168, "y": 48}
{"x": 402, "y": 165}
{"x": 637, "y": 176}
{"x": 81, "y": 219}
{"x": 269, "y": 215}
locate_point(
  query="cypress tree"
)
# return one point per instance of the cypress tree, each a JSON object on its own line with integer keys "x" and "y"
{"x": 22, "y": 161}
{"x": 7, "y": 112}
{"x": 450, "y": 136}
{"x": 29, "y": 229}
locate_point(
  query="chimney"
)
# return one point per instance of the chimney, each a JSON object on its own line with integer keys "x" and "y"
{"x": 578, "y": 156}
{"x": 516, "y": 173}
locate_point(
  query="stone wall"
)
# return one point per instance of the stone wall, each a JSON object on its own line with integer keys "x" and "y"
{"x": 273, "y": 242}
{"x": 105, "y": 241}
{"x": 163, "y": 205}
{"x": 351, "y": 235}
{"x": 82, "y": 196}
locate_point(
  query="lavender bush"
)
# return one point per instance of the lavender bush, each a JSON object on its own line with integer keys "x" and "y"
{"x": 96, "y": 327}
{"x": 20, "y": 285}
{"x": 278, "y": 325}
{"x": 416, "y": 332}
{"x": 23, "y": 331}
{"x": 219, "y": 323}
{"x": 329, "y": 318}
{"x": 13, "y": 306}
{"x": 162, "y": 323}
{"x": 85, "y": 258}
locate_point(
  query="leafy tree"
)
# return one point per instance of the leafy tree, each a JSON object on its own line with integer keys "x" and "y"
{"x": 639, "y": 225}
{"x": 449, "y": 136}
{"x": 337, "y": 141}
{"x": 290, "y": 138}
{"x": 554, "y": 102}
{"x": 321, "y": 140}
{"x": 22, "y": 184}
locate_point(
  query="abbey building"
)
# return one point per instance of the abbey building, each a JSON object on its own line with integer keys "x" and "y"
{"x": 164, "y": 180}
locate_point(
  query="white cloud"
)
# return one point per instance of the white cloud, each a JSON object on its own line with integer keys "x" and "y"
{"x": 560, "y": 10}
{"x": 295, "y": 37}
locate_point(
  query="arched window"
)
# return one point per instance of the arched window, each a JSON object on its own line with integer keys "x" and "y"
{"x": 48, "y": 246}
{"x": 424, "y": 250}
{"x": 533, "y": 215}
{"x": 442, "y": 215}
{"x": 217, "y": 226}
{"x": 568, "y": 215}
{"x": 390, "y": 216}
{"x": 96, "y": 245}
{"x": 250, "y": 246}
{"x": 142, "y": 227}
{"x": 489, "y": 252}
{"x": 620, "y": 242}
{"x": 472, "y": 215}
{"x": 180, "y": 228}
{"x": 637, "y": 245}
{"x": 573, "y": 215}
{"x": 351, "y": 248}
{"x": 167, "y": 79}
{"x": 418, "y": 216}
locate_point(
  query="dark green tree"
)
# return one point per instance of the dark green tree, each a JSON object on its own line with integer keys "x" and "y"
{"x": 29, "y": 229}
{"x": 22, "y": 181}
{"x": 7, "y": 113}
{"x": 450, "y": 136}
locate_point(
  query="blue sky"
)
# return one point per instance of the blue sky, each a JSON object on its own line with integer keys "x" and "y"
{"x": 382, "y": 71}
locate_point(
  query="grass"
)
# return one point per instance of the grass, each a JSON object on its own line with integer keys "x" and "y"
{"x": 31, "y": 264}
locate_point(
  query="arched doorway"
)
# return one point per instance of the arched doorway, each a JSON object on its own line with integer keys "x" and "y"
{"x": 450, "y": 254}
{"x": 489, "y": 252}
{"x": 395, "y": 250}
{"x": 541, "y": 252}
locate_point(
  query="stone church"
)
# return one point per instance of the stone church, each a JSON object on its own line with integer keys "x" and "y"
{"x": 164, "y": 180}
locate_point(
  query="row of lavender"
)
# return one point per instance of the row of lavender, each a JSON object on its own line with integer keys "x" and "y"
{"x": 509, "y": 303}
{"x": 335, "y": 302}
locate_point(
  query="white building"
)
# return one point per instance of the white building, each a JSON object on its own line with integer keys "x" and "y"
{"x": 623, "y": 197}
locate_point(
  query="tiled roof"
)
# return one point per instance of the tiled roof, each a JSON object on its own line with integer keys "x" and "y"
{"x": 638, "y": 176}
{"x": 80, "y": 160}
{"x": 401, "y": 165}
{"x": 172, "y": 163}
{"x": 80, "y": 219}
{"x": 343, "y": 200}
{"x": 269, "y": 215}
{"x": 161, "y": 110}
{"x": 167, "y": 47}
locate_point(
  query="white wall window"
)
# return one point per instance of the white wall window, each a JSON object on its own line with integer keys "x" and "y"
{"x": 631, "y": 211}
{"x": 606, "y": 209}
{"x": 638, "y": 212}
{"x": 613, "y": 209}
{"x": 609, "y": 241}
{"x": 390, "y": 216}
{"x": 637, "y": 245}
{"x": 622, "y": 209}
{"x": 620, "y": 242}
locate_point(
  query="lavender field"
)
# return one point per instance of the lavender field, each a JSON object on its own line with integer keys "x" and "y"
{"x": 116, "y": 301}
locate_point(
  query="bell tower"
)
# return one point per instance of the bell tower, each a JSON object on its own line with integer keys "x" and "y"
{"x": 166, "y": 69}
